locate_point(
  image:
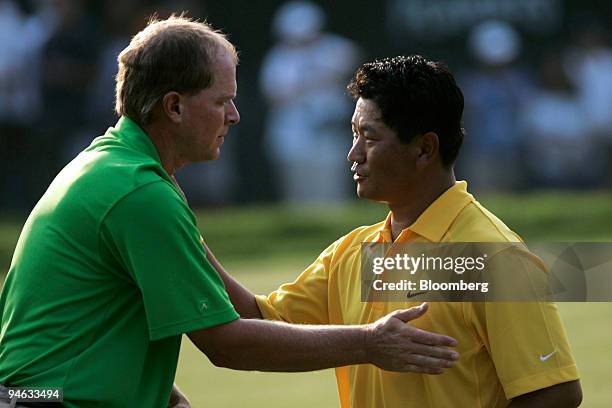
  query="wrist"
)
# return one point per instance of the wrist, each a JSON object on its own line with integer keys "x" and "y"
{"x": 367, "y": 343}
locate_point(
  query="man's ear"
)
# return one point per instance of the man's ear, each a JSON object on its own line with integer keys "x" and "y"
{"x": 429, "y": 149}
{"x": 172, "y": 106}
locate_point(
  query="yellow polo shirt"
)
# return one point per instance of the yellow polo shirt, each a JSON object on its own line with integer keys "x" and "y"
{"x": 501, "y": 344}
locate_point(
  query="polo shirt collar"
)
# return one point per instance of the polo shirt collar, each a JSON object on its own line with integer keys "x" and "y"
{"x": 135, "y": 137}
{"x": 433, "y": 223}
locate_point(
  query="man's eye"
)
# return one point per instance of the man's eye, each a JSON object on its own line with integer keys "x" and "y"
{"x": 369, "y": 137}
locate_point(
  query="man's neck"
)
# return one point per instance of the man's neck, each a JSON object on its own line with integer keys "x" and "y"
{"x": 164, "y": 142}
{"x": 404, "y": 213}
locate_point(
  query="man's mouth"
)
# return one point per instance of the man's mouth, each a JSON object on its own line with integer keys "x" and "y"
{"x": 359, "y": 177}
{"x": 358, "y": 174}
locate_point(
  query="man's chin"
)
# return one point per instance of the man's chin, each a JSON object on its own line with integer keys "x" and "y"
{"x": 212, "y": 155}
{"x": 363, "y": 192}
{"x": 368, "y": 194}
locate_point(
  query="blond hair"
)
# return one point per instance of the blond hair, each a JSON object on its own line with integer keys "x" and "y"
{"x": 175, "y": 54}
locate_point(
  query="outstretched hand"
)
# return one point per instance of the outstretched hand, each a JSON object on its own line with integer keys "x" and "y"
{"x": 395, "y": 345}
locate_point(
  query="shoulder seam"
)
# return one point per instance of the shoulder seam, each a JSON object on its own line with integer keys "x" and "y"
{"x": 342, "y": 241}
{"x": 482, "y": 211}
{"x": 121, "y": 198}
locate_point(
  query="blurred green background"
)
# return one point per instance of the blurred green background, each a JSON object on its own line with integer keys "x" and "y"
{"x": 266, "y": 246}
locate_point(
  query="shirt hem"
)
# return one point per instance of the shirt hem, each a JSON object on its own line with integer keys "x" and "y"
{"x": 201, "y": 322}
{"x": 540, "y": 381}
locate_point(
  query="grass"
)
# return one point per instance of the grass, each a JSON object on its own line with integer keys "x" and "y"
{"x": 266, "y": 246}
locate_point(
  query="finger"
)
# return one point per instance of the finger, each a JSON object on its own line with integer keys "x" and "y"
{"x": 432, "y": 339}
{"x": 427, "y": 361}
{"x": 406, "y": 315}
{"x": 411, "y": 368}
{"x": 434, "y": 351}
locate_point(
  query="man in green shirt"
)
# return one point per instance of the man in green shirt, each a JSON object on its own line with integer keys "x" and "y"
{"x": 110, "y": 269}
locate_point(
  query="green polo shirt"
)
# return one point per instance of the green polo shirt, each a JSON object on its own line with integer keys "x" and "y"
{"x": 108, "y": 272}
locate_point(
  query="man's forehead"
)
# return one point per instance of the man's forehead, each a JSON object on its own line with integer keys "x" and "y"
{"x": 366, "y": 113}
{"x": 224, "y": 72}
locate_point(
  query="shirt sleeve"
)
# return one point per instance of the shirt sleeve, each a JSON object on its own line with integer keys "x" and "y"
{"x": 305, "y": 300}
{"x": 526, "y": 340}
{"x": 152, "y": 234}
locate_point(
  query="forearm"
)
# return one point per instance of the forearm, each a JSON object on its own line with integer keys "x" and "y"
{"x": 242, "y": 298}
{"x": 275, "y": 346}
{"x": 388, "y": 343}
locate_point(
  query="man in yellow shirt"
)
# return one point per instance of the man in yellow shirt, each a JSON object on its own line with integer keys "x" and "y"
{"x": 406, "y": 137}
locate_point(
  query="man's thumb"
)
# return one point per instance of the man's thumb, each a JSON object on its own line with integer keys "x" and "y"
{"x": 406, "y": 315}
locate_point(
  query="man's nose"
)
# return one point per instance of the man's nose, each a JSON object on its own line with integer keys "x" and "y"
{"x": 356, "y": 153}
{"x": 233, "y": 116}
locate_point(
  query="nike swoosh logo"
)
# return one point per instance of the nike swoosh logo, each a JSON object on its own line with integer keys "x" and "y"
{"x": 413, "y": 294}
{"x": 546, "y": 357}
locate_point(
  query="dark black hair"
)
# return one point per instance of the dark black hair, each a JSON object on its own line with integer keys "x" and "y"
{"x": 415, "y": 96}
